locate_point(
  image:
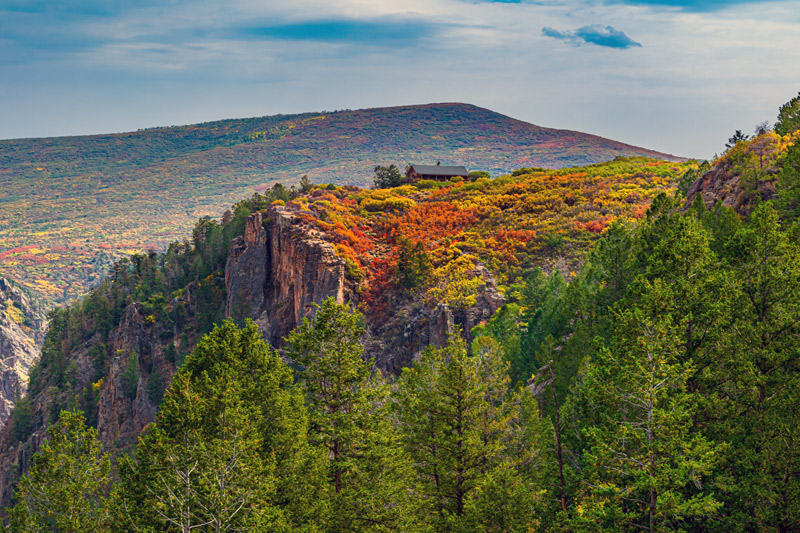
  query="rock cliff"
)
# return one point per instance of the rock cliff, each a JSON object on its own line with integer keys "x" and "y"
{"x": 275, "y": 273}
{"x": 724, "y": 184}
{"x": 22, "y": 324}
{"x": 120, "y": 412}
{"x": 278, "y": 270}
{"x": 397, "y": 342}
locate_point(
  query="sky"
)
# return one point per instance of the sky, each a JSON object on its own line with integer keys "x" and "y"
{"x": 678, "y": 76}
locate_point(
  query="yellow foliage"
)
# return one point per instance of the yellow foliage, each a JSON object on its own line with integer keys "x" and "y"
{"x": 395, "y": 203}
{"x": 13, "y": 313}
{"x": 455, "y": 283}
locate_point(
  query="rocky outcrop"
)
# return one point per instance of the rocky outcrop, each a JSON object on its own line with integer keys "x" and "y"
{"x": 122, "y": 412}
{"x": 120, "y": 417}
{"x": 723, "y": 184}
{"x": 274, "y": 275}
{"x": 278, "y": 270}
{"x": 398, "y": 341}
{"x": 22, "y": 323}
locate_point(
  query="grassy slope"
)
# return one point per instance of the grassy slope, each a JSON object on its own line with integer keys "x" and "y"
{"x": 71, "y": 205}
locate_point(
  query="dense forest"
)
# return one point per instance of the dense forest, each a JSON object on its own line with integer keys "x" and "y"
{"x": 654, "y": 388}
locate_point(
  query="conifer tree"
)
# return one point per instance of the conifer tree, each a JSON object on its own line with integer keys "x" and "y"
{"x": 68, "y": 484}
{"x": 228, "y": 448}
{"x": 789, "y": 181}
{"x": 643, "y": 467}
{"x": 349, "y": 419}
{"x": 456, "y": 419}
{"x": 762, "y": 419}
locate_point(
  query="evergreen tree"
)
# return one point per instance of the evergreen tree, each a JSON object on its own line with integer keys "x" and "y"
{"x": 789, "y": 182}
{"x": 349, "y": 419}
{"x": 200, "y": 468}
{"x": 68, "y": 483}
{"x": 761, "y": 418}
{"x": 228, "y": 450}
{"x": 456, "y": 419}
{"x": 789, "y": 117}
{"x": 413, "y": 264}
{"x": 642, "y": 464}
{"x": 387, "y": 177}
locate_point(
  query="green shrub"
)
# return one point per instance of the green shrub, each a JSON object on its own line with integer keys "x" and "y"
{"x": 431, "y": 184}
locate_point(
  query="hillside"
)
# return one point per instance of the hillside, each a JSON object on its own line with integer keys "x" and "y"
{"x": 72, "y": 205}
{"x": 479, "y": 242}
{"x": 589, "y": 285}
{"x": 612, "y": 346}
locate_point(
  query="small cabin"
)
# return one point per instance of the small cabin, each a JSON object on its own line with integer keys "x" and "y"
{"x": 434, "y": 172}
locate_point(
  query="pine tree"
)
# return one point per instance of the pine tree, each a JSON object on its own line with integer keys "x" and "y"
{"x": 456, "y": 419}
{"x": 789, "y": 181}
{"x": 761, "y": 418}
{"x": 643, "y": 466}
{"x": 228, "y": 449}
{"x": 68, "y": 483}
{"x": 788, "y": 117}
{"x": 349, "y": 419}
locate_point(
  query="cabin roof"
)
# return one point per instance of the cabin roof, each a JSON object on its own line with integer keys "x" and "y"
{"x": 439, "y": 170}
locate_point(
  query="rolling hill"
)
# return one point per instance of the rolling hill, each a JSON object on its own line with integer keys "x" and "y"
{"x": 71, "y": 205}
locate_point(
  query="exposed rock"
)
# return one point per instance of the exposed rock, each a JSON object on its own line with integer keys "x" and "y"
{"x": 275, "y": 274}
{"x": 278, "y": 271}
{"x": 281, "y": 267}
{"x": 22, "y": 324}
{"x": 723, "y": 184}
{"x": 441, "y": 326}
{"x": 397, "y": 342}
{"x": 120, "y": 419}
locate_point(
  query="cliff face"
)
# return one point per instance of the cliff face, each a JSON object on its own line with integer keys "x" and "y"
{"x": 398, "y": 341}
{"x": 278, "y": 270}
{"x": 749, "y": 170}
{"x": 281, "y": 267}
{"x": 22, "y": 325}
{"x": 121, "y": 411}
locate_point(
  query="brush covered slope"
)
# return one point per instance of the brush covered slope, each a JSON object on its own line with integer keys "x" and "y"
{"x": 750, "y": 171}
{"x": 417, "y": 260}
{"x": 73, "y": 205}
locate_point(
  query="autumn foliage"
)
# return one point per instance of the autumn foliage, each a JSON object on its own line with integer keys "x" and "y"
{"x": 533, "y": 217}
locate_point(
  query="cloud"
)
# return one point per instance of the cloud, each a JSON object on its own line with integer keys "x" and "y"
{"x": 74, "y": 8}
{"x": 593, "y": 34}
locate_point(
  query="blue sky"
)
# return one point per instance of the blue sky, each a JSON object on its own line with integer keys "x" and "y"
{"x": 673, "y": 75}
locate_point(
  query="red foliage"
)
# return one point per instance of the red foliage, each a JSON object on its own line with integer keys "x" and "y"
{"x": 379, "y": 276}
{"x": 15, "y": 251}
{"x": 432, "y": 221}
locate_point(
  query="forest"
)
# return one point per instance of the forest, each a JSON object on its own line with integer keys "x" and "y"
{"x": 653, "y": 387}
